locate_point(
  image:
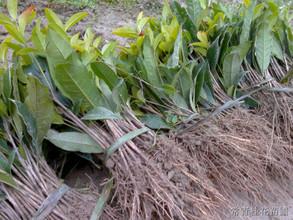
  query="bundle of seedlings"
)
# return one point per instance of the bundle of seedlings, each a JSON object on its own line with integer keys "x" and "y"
{"x": 249, "y": 50}
{"x": 56, "y": 87}
{"x": 200, "y": 60}
{"x": 240, "y": 154}
{"x": 198, "y": 56}
{"x": 35, "y": 192}
{"x": 253, "y": 51}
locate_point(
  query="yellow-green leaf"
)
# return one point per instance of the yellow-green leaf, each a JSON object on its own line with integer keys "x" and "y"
{"x": 3, "y": 52}
{"x": 127, "y": 32}
{"x": 12, "y": 8}
{"x": 5, "y": 19}
{"x": 26, "y": 18}
{"x": 97, "y": 42}
{"x": 15, "y": 33}
{"x": 247, "y": 3}
{"x": 38, "y": 38}
{"x": 53, "y": 18}
{"x": 203, "y": 37}
{"x": 74, "y": 19}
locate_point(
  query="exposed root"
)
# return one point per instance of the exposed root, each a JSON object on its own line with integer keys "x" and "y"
{"x": 185, "y": 172}
{"x": 279, "y": 69}
{"x": 241, "y": 153}
{"x": 278, "y": 109}
{"x": 276, "y": 106}
{"x": 142, "y": 190}
{"x": 143, "y": 187}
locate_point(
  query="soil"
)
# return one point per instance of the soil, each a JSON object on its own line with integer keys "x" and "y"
{"x": 85, "y": 176}
{"x": 103, "y": 18}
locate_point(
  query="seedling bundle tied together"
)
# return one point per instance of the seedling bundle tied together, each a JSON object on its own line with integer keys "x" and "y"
{"x": 191, "y": 114}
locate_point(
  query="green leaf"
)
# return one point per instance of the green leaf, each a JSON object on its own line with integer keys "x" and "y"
{"x": 248, "y": 18}
{"x": 231, "y": 68}
{"x": 141, "y": 22}
{"x": 126, "y": 32}
{"x": 12, "y": 8}
{"x": 124, "y": 139}
{"x": 101, "y": 113}
{"x": 50, "y": 202}
{"x": 104, "y": 72}
{"x": 277, "y": 49}
{"x": 232, "y": 64}
{"x": 242, "y": 49}
{"x": 57, "y": 119}
{"x": 26, "y": 51}
{"x": 203, "y": 4}
{"x": 199, "y": 81}
{"x": 108, "y": 49}
{"x": 4, "y": 148}
{"x": 104, "y": 197}
{"x": 179, "y": 101}
{"x": 26, "y": 18}
{"x": 169, "y": 89}
{"x": 7, "y": 179}
{"x": 88, "y": 38}
{"x": 154, "y": 122}
{"x": 120, "y": 94}
{"x": 28, "y": 120}
{"x": 15, "y": 33}
{"x": 150, "y": 64}
{"x": 213, "y": 54}
{"x": 184, "y": 19}
{"x": 3, "y": 52}
{"x": 193, "y": 9}
{"x": 5, "y": 19}
{"x": 59, "y": 30}
{"x": 174, "y": 59}
{"x": 56, "y": 41}
{"x": 74, "y": 142}
{"x": 4, "y": 164}
{"x": 11, "y": 159}
{"x": 258, "y": 10}
{"x": 7, "y": 86}
{"x": 40, "y": 104}
{"x": 53, "y": 18}
{"x": 3, "y": 108}
{"x": 74, "y": 19}
{"x": 77, "y": 83}
{"x": 263, "y": 47}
